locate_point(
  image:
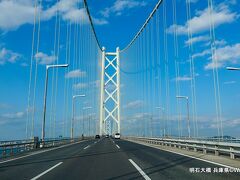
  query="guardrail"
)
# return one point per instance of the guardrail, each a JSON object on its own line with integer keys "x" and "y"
{"x": 9, "y": 148}
{"x": 231, "y": 149}
{"x": 214, "y": 139}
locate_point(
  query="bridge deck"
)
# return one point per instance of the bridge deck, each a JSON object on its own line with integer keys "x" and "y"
{"x": 107, "y": 159}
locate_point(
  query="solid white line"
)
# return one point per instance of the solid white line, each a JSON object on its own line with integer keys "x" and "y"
{"x": 39, "y": 152}
{"x": 139, "y": 170}
{"x": 86, "y": 147}
{"x": 45, "y": 172}
{"x": 208, "y": 161}
{"x": 118, "y": 146}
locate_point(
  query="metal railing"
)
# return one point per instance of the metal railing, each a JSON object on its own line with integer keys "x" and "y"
{"x": 231, "y": 149}
{"x": 9, "y": 148}
{"x": 215, "y": 139}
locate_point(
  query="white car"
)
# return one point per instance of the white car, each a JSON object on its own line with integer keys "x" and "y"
{"x": 117, "y": 136}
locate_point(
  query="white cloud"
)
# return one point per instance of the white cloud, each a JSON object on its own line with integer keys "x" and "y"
{"x": 110, "y": 87}
{"x": 121, "y": 5}
{"x": 221, "y": 14}
{"x": 233, "y": 2}
{"x": 8, "y": 56}
{"x": 76, "y": 73}
{"x": 228, "y": 123}
{"x": 224, "y": 55}
{"x": 220, "y": 42}
{"x": 212, "y": 65}
{"x": 197, "y": 39}
{"x": 10, "y": 118}
{"x": 68, "y": 9}
{"x": 99, "y": 21}
{"x": 43, "y": 58}
{"x": 183, "y": 78}
{"x": 4, "y": 106}
{"x": 24, "y": 64}
{"x": 202, "y": 54}
{"x": 16, "y": 115}
{"x": 17, "y": 13}
{"x": 134, "y": 104}
{"x": 140, "y": 116}
{"x": 86, "y": 116}
{"x": 232, "y": 123}
{"x": 193, "y": 1}
{"x": 95, "y": 83}
{"x": 80, "y": 86}
{"x": 229, "y": 82}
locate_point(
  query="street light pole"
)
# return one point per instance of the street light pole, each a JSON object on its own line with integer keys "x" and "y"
{"x": 150, "y": 126}
{"x": 188, "y": 119}
{"x": 162, "y": 109}
{"x": 232, "y": 68}
{"x": 86, "y": 108}
{"x": 45, "y": 95}
{"x": 73, "y": 112}
{"x": 89, "y": 125}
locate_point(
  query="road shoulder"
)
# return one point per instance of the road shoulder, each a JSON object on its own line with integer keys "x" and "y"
{"x": 205, "y": 157}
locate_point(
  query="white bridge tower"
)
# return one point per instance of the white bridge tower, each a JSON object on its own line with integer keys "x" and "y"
{"x": 110, "y": 93}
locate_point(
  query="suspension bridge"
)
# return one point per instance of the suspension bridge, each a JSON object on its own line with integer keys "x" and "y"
{"x": 171, "y": 119}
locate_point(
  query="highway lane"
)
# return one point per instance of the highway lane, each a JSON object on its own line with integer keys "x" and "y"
{"x": 102, "y": 160}
{"x": 107, "y": 159}
{"x": 94, "y": 159}
{"x": 30, "y": 166}
{"x": 159, "y": 164}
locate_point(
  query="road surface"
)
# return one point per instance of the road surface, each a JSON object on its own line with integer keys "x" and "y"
{"x": 108, "y": 159}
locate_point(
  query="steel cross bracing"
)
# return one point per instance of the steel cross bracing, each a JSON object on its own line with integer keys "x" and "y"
{"x": 110, "y": 93}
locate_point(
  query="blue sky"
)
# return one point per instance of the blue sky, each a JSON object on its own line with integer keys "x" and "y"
{"x": 116, "y": 22}
{"x": 225, "y": 16}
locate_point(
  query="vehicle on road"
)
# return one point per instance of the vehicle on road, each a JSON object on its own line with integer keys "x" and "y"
{"x": 117, "y": 136}
{"x": 107, "y": 136}
{"x": 97, "y": 136}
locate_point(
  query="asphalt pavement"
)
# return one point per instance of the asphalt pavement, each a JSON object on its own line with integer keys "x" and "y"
{"x": 109, "y": 159}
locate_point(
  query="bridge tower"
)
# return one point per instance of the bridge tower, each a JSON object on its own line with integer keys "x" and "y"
{"x": 110, "y": 93}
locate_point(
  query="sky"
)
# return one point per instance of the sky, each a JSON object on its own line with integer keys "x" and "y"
{"x": 116, "y": 22}
{"x": 225, "y": 16}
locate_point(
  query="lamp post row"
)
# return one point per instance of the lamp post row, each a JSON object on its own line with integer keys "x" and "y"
{"x": 188, "y": 119}
{"x": 187, "y": 104}
{"x": 45, "y": 101}
{"x": 164, "y": 124}
{"x": 85, "y": 108}
{"x": 73, "y": 111}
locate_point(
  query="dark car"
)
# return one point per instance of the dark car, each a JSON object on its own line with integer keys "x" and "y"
{"x": 97, "y": 136}
{"x": 107, "y": 136}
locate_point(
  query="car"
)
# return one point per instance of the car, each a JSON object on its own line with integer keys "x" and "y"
{"x": 117, "y": 136}
{"x": 107, "y": 136}
{"x": 97, "y": 136}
